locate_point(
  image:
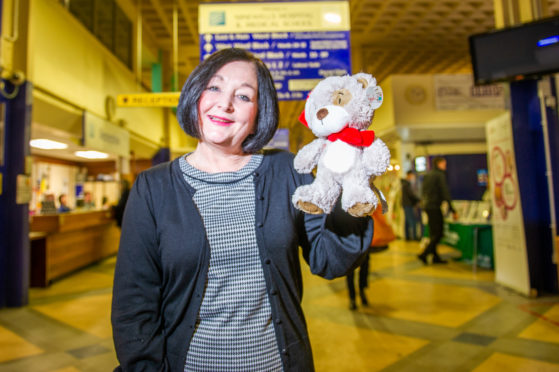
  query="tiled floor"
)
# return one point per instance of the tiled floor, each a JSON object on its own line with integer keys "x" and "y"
{"x": 420, "y": 318}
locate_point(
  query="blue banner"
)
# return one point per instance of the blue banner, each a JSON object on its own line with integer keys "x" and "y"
{"x": 297, "y": 60}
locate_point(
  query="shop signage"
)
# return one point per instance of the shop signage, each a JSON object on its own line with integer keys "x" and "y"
{"x": 300, "y": 42}
{"x": 458, "y": 92}
{"x": 165, "y": 99}
{"x": 101, "y": 135}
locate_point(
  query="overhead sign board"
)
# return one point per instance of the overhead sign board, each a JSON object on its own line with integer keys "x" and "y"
{"x": 101, "y": 135}
{"x": 168, "y": 99}
{"x": 458, "y": 92}
{"x": 300, "y": 42}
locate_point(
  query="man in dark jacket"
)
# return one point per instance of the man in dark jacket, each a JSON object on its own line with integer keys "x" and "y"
{"x": 435, "y": 191}
{"x": 409, "y": 202}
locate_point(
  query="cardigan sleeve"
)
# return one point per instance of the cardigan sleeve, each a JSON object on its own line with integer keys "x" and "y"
{"x": 335, "y": 244}
{"x": 135, "y": 315}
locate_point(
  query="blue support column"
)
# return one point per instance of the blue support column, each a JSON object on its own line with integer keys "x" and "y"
{"x": 531, "y": 164}
{"x": 14, "y": 217}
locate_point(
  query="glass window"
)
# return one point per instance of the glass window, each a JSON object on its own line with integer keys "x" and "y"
{"x": 108, "y": 23}
{"x": 103, "y": 26}
{"x": 83, "y": 10}
{"x": 123, "y": 37}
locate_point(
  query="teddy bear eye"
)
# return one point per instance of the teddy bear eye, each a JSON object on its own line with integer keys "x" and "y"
{"x": 341, "y": 97}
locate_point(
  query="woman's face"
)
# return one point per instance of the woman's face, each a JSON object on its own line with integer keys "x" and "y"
{"x": 229, "y": 105}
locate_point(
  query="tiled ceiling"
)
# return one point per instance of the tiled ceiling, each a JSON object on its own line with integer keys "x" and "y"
{"x": 387, "y": 36}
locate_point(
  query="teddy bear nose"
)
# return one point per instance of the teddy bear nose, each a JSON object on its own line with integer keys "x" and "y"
{"x": 322, "y": 113}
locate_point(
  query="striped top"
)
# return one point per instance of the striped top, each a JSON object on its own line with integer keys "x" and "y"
{"x": 234, "y": 329}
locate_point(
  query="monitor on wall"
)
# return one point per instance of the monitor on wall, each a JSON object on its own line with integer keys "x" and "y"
{"x": 529, "y": 50}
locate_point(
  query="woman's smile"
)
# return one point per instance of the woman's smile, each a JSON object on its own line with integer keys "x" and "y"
{"x": 220, "y": 120}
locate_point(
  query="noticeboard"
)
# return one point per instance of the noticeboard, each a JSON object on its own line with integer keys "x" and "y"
{"x": 300, "y": 42}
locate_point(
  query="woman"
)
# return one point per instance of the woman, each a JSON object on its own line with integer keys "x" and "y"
{"x": 207, "y": 276}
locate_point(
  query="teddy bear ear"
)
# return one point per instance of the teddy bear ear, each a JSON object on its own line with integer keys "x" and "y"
{"x": 374, "y": 94}
{"x": 363, "y": 82}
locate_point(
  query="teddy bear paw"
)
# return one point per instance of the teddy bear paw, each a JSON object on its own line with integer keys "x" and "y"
{"x": 309, "y": 207}
{"x": 361, "y": 209}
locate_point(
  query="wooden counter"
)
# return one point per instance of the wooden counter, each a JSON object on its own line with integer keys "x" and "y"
{"x": 62, "y": 243}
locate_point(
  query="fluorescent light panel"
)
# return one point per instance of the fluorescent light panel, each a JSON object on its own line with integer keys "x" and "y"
{"x": 332, "y": 18}
{"x": 46, "y": 144}
{"x": 91, "y": 154}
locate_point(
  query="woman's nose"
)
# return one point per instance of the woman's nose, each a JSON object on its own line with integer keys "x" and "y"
{"x": 226, "y": 102}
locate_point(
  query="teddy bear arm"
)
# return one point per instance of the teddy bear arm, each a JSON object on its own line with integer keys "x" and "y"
{"x": 307, "y": 158}
{"x": 376, "y": 158}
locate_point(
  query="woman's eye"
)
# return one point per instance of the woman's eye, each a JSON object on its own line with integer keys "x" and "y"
{"x": 212, "y": 88}
{"x": 244, "y": 98}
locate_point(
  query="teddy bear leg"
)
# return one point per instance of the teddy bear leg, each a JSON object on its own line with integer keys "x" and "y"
{"x": 317, "y": 198}
{"x": 309, "y": 207}
{"x": 358, "y": 200}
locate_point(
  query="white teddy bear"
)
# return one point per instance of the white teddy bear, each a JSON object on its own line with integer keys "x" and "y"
{"x": 347, "y": 157}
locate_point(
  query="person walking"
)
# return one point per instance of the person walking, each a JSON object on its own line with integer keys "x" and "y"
{"x": 435, "y": 192}
{"x": 409, "y": 203}
{"x": 382, "y": 237}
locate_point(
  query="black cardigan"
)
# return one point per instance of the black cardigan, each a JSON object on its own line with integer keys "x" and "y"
{"x": 164, "y": 255}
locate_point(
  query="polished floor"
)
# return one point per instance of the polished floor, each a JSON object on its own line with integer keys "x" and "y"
{"x": 419, "y": 318}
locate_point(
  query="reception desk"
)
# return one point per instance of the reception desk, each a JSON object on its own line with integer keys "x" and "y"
{"x": 62, "y": 243}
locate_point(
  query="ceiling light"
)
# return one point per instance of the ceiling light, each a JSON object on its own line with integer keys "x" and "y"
{"x": 91, "y": 154}
{"x": 332, "y": 18}
{"x": 46, "y": 144}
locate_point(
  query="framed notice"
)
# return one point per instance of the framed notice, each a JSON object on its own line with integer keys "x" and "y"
{"x": 300, "y": 42}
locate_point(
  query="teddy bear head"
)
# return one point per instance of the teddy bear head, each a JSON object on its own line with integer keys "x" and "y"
{"x": 342, "y": 101}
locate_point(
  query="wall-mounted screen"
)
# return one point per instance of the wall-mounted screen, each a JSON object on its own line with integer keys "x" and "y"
{"x": 515, "y": 53}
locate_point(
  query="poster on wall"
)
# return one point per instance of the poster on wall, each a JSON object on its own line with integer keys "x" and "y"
{"x": 509, "y": 239}
{"x": 300, "y": 42}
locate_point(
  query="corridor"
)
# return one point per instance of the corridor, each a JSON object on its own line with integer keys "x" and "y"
{"x": 419, "y": 318}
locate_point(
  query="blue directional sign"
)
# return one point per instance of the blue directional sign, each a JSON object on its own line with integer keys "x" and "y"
{"x": 300, "y": 42}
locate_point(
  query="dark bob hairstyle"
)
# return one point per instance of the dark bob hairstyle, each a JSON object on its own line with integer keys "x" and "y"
{"x": 268, "y": 113}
